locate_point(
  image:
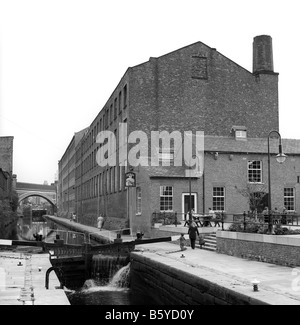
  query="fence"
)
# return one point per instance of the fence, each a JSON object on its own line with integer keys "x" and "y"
{"x": 166, "y": 218}
{"x": 175, "y": 218}
{"x": 287, "y": 219}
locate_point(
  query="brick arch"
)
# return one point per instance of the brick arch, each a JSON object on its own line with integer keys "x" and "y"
{"x": 26, "y": 195}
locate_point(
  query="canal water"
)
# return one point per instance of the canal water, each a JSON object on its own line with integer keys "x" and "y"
{"x": 114, "y": 289}
{"x": 116, "y": 292}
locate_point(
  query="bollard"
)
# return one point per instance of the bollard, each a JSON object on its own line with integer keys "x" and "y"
{"x": 255, "y": 284}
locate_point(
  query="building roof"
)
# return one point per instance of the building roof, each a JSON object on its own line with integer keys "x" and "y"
{"x": 166, "y": 171}
{"x": 229, "y": 145}
{"x": 250, "y": 145}
{"x": 79, "y": 135}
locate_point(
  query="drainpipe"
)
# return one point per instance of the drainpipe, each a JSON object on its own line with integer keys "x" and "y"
{"x": 203, "y": 189}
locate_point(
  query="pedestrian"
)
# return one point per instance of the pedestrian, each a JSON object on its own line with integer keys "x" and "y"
{"x": 186, "y": 217}
{"x": 100, "y": 222}
{"x": 74, "y": 216}
{"x": 211, "y": 212}
{"x": 193, "y": 232}
{"x": 284, "y": 216}
{"x": 265, "y": 213}
{"x": 182, "y": 242}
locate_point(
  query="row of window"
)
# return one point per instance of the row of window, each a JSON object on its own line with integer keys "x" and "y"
{"x": 108, "y": 116}
{"x": 99, "y": 185}
{"x": 90, "y": 160}
{"x": 108, "y": 182}
{"x": 254, "y": 167}
{"x": 218, "y": 199}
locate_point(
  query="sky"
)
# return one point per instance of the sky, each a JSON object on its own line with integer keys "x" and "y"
{"x": 60, "y": 60}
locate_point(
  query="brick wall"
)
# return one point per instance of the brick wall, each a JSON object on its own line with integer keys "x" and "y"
{"x": 168, "y": 285}
{"x": 164, "y": 96}
{"x": 6, "y": 154}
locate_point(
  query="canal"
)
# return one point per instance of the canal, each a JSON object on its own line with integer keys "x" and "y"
{"x": 112, "y": 289}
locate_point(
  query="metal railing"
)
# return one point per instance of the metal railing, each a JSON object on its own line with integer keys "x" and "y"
{"x": 166, "y": 218}
{"x": 247, "y": 219}
{"x": 175, "y": 218}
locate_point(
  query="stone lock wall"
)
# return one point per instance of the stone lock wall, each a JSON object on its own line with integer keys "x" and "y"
{"x": 168, "y": 285}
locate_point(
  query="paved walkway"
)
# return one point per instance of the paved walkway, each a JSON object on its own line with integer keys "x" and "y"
{"x": 279, "y": 285}
{"x": 22, "y": 280}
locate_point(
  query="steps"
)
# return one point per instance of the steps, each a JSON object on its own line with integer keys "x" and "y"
{"x": 210, "y": 242}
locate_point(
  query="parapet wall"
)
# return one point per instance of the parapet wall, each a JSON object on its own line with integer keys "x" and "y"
{"x": 275, "y": 249}
{"x": 169, "y": 285}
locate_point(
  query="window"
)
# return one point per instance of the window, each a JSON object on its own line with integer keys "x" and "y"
{"x": 138, "y": 200}
{"x": 100, "y": 184}
{"x": 107, "y": 181}
{"x": 120, "y": 98}
{"x": 255, "y": 171}
{"x": 121, "y": 175}
{"x": 111, "y": 113}
{"x": 106, "y": 117}
{"x": 112, "y": 181}
{"x": 125, "y": 96}
{"x": 219, "y": 199}
{"x": 241, "y": 134}
{"x": 116, "y": 178}
{"x": 166, "y": 198}
{"x": 289, "y": 198}
{"x": 115, "y": 108}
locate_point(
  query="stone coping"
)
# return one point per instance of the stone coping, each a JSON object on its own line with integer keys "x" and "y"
{"x": 289, "y": 240}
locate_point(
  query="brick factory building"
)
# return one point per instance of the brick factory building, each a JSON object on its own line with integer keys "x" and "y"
{"x": 7, "y": 178}
{"x": 194, "y": 88}
{"x": 66, "y": 178}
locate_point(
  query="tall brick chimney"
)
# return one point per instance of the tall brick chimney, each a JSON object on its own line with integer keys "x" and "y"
{"x": 262, "y": 54}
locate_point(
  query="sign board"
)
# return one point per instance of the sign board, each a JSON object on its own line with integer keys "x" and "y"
{"x": 130, "y": 179}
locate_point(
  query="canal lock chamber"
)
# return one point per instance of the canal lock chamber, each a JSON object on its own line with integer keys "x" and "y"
{"x": 108, "y": 283}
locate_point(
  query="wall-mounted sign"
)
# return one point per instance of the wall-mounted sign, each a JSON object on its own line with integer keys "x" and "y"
{"x": 130, "y": 179}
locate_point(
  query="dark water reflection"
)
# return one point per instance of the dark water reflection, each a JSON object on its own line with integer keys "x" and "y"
{"x": 94, "y": 294}
{"x": 102, "y": 297}
{"x": 107, "y": 295}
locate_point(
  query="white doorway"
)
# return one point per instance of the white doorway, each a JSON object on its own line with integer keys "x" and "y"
{"x": 186, "y": 202}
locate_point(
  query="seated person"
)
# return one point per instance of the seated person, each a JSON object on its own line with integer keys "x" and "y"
{"x": 217, "y": 219}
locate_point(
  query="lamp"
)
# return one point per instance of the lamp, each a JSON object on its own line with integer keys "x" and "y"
{"x": 280, "y": 159}
{"x": 190, "y": 188}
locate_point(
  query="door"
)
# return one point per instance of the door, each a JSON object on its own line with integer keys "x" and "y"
{"x": 186, "y": 203}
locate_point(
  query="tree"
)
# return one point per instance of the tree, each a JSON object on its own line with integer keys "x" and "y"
{"x": 255, "y": 195}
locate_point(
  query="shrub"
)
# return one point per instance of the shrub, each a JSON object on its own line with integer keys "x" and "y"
{"x": 237, "y": 226}
{"x": 262, "y": 229}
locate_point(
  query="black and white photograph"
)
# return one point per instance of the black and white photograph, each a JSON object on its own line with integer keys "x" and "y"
{"x": 149, "y": 155}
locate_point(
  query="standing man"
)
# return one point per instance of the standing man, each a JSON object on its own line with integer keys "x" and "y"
{"x": 100, "y": 222}
{"x": 193, "y": 232}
